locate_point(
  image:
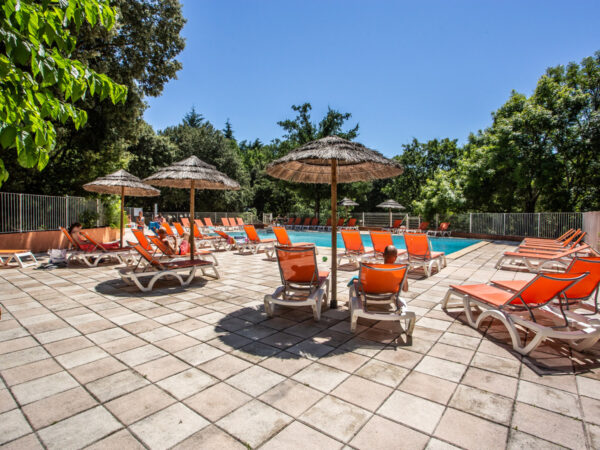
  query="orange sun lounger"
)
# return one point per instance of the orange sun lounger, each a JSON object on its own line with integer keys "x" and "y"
{"x": 529, "y": 308}
{"x": 284, "y": 240}
{"x": 380, "y": 284}
{"x": 182, "y": 270}
{"x": 420, "y": 254}
{"x": 354, "y": 249}
{"x": 255, "y": 243}
{"x": 535, "y": 261}
{"x": 302, "y": 282}
{"x": 380, "y": 240}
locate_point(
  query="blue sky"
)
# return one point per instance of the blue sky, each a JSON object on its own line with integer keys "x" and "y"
{"x": 403, "y": 69}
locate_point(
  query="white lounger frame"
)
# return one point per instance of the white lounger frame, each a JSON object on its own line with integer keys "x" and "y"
{"x": 406, "y": 319}
{"x": 92, "y": 259}
{"x": 587, "y": 335}
{"x": 427, "y": 264}
{"x": 132, "y": 277}
{"x": 255, "y": 247}
{"x": 315, "y": 300}
{"x": 18, "y": 257}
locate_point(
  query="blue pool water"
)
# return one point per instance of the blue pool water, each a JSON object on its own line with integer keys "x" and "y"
{"x": 321, "y": 239}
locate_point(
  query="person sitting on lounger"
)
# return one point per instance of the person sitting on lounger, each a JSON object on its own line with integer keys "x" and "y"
{"x": 390, "y": 254}
{"x": 74, "y": 231}
{"x": 184, "y": 246}
{"x": 164, "y": 238}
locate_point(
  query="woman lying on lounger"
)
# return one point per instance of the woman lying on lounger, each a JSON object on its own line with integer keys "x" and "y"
{"x": 83, "y": 244}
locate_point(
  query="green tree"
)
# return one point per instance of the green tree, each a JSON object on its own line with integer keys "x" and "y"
{"x": 301, "y": 130}
{"x": 140, "y": 52}
{"x": 41, "y": 78}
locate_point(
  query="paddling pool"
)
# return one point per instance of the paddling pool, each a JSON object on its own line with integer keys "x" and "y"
{"x": 322, "y": 239}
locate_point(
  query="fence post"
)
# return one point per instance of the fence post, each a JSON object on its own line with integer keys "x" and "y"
{"x": 97, "y": 212}
{"x": 470, "y": 223}
{"x": 21, "y": 213}
{"x": 538, "y": 227}
{"x": 66, "y": 211}
{"x": 504, "y": 224}
{"x": 363, "y": 219}
{"x": 437, "y": 219}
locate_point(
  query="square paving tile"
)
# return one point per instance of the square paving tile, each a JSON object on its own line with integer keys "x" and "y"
{"x": 545, "y": 397}
{"x": 441, "y": 368}
{"x": 121, "y": 439}
{"x": 217, "y": 401}
{"x": 254, "y": 423}
{"x": 210, "y": 437}
{"x": 58, "y": 407}
{"x": 67, "y": 434}
{"x": 43, "y": 387}
{"x": 382, "y": 372}
{"x": 12, "y": 426}
{"x": 479, "y": 434}
{"x": 336, "y": 417}
{"x": 285, "y": 363}
{"x": 161, "y": 368}
{"x": 413, "y": 411}
{"x": 255, "y": 380}
{"x": 491, "y": 382}
{"x": 168, "y": 427}
{"x": 381, "y": 433}
{"x": 139, "y": 404}
{"x": 482, "y": 403}
{"x": 187, "y": 383}
{"x": 199, "y": 354}
{"x": 321, "y": 377}
{"x": 550, "y": 426}
{"x": 97, "y": 369}
{"x": 362, "y": 392}
{"x": 291, "y": 397}
{"x": 115, "y": 385}
{"x": 428, "y": 386}
{"x": 297, "y": 436}
{"x": 225, "y": 366}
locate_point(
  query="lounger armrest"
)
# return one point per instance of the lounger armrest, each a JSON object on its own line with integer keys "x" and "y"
{"x": 318, "y": 293}
{"x": 278, "y": 292}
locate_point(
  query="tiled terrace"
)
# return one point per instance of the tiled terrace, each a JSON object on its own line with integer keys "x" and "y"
{"x": 85, "y": 361}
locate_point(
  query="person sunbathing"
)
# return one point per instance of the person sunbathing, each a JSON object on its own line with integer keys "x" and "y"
{"x": 84, "y": 244}
{"x": 164, "y": 238}
{"x": 184, "y": 245}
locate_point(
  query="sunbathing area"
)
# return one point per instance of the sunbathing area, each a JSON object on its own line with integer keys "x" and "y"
{"x": 88, "y": 360}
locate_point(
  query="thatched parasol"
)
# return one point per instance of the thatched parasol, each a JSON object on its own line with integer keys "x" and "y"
{"x": 390, "y": 204}
{"x": 331, "y": 160}
{"x": 121, "y": 183}
{"x": 347, "y": 202}
{"x": 192, "y": 173}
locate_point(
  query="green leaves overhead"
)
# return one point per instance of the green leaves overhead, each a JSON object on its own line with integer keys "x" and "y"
{"x": 39, "y": 81}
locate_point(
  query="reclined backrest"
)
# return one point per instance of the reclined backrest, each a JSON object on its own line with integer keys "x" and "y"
{"x": 141, "y": 238}
{"x": 545, "y": 287}
{"x": 380, "y": 240}
{"x": 240, "y": 221}
{"x": 224, "y": 221}
{"x": 179, "y": 228}
{"x": 351, "y": 222}
{"x": 282, "y": 236}
{"x": 397, "y": 223}
{"x": 167, "y": 228}
{"x": 161, "y": 246}
{"x": 251, "y": 233}
{"x": 185, "y": 221}
{"x": 352, "y": 241}
{"x": 417, "y": 246}
{"x": 589, "y": 284}
{"x": 225, "y": 236}
{"x": 297, "y": 265}
{"x": 379, "y": 279}
{"x": 208, "y": 222}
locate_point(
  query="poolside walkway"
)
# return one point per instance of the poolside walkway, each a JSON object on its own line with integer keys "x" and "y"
{"x": 85, "y": 361}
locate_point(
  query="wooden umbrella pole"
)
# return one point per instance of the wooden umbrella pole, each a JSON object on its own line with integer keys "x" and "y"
{"x": 192, "y": 221}
{"x": 122, "y": 210}
{"x": 333, "y": 301}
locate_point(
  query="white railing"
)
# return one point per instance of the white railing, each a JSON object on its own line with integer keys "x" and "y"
{"x": 28, "y": 212}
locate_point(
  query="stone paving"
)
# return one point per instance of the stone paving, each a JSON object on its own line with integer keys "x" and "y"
{"x": 86, "y": 362}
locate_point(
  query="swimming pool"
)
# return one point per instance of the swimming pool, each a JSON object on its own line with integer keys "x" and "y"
{"x": 322, "y": 239}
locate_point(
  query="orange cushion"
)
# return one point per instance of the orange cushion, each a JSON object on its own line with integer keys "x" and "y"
{"x": 485, "y": 293}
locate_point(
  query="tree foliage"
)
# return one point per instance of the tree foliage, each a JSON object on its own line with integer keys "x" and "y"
{"x": 40, "y": 78}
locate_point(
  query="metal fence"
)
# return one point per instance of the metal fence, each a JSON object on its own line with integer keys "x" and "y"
{"x": 546, "y": 224}
{"x": 27, "y": 212}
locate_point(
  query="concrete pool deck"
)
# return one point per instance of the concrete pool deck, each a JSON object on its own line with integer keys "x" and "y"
{"x": 86, "y": 362}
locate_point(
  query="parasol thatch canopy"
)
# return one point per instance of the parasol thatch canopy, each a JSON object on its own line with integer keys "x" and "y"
{"x": 192, "y": 173}
{"x": 347, "y": 202}
{"x": 182, "y": 173}
{"x": 311, "y": 163}
{"x": 121, "y": 182}
{"x": 333, "y": 160}
{"x": 393, "y": 204}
